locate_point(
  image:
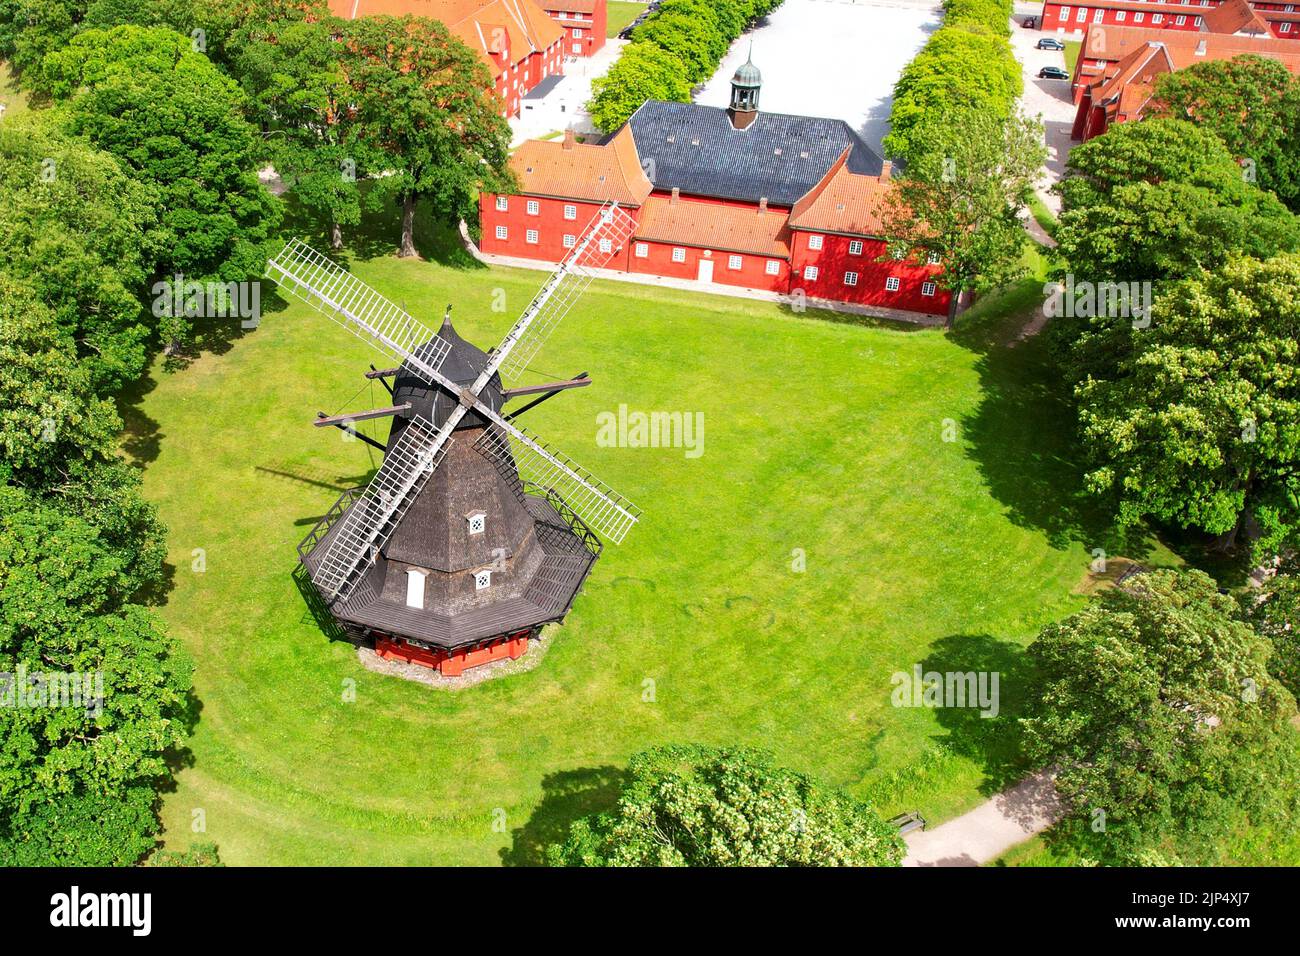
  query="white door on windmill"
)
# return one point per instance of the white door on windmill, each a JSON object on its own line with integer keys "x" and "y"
{"x": 706, "y": 270}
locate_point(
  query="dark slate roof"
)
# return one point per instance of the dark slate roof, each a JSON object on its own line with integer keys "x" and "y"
{"x": 696, "y": 149}
{"x": 541, "y": 89}
{"x": 462, "y": 365}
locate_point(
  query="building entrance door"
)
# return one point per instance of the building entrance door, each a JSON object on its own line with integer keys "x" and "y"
{"x": 706, "y": 270}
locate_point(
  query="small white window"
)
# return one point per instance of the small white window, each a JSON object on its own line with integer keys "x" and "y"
{"x": 850, "y": 278}
{"x": 1179, "y": 21}
{"x": 570, "y": 241}
{"x": 773, "y": 267}
{"x": 415, "y": 588}
{"x": 1157, "y": 18}
{"x": 482, "y": 579}
{"x": 503, "y": 204}
{"x": 927, "y": 288}
{"x": 1065, "y": 13}
{"x": 502, "y": 232}
{"x": 577, "y": 34}
{"x": 810, "y": 273}
{"x": 570, "y": 212}
{"x": 477, "y": 522}
{"x": 932, "y": 258}
{"x": 814, "y": 242}
{"x": 1120, "y": 16}
{"x": 1199, "y": 21}
{"x": 533, "y": 207}
{"x": 733, "y": 262}
{"x": 531, "y": 237}
{"x": 1139, "y": 17}
{"x": 855, "y": 247}
{"x": 1082, "y": 15}
{"x": 642, "y": 250}
{"x": 1098, "y": 16}
{"x": 679, "y": 254}
{"x": 1284, "y": 28}
{"x": 891, "y": 284}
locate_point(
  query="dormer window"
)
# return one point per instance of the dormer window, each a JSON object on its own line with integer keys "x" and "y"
{"x": 483, "y": 579}
{"x": 477, "y": 522}
{"x": 415, "y": 587}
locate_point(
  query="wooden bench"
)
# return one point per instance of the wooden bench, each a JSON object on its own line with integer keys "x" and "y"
{"x": 907, "y": 822}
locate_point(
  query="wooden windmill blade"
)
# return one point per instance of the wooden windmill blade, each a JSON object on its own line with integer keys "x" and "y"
{"x": 338, "y": 294}
{"x": 606, "y": 234}
{"x": 353, "y": 548}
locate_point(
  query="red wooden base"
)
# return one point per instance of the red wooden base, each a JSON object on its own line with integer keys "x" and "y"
{"x": 452, "y": 663}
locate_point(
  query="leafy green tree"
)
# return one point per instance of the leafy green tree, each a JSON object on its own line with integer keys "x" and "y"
{"x": 1163, "y": 199}
{"x": 698, "y": 44}
{"x": 1252, "y": 104}
{"x": 1156, "y": 705}
{"x": 994, "y": 14}
{"x": 1274, "y": 612}
{"x": 423, "y": 102}
{"x": 962, "y": 70}
{"x": 80, "y": 233}
{"x": 644, "y": 71}
{"x": 1198, "y": 424}
{"x": 175, "y": 123}
{"x": 29, "y": 29}
{"x": 701, "y": 806}
{"x": 962, "y": 196}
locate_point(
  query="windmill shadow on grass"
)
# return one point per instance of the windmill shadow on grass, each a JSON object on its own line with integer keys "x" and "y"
{"x": 992, "y": 742}
{"x": 567, "y": 795}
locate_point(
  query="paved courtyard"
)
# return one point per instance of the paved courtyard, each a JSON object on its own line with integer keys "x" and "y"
{"x": 837, "y": 58}
{"x": 1049, "y": 99}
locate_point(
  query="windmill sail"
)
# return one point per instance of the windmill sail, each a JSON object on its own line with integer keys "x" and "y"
{"x": 606, "y": 234}
{"x": 333, "y": 291}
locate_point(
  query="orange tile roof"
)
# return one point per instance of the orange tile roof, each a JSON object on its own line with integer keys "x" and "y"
{"x": 479, "y": 24}
{"x": 1233, "y": 16}
{"x": 569, "y": 6}
{"x": 712, "y": 226}
{"x": 1114, "y": 43}
{"x": 582, "y": 171}
{"x": 843, "y": 201}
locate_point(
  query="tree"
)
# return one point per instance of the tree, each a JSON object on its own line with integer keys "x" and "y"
{"x": 962, "y": 70}
{"x": 1274, "y": 612}
{"x": 422, "y": 100}
{"x": 1196, "y": 420}
{"x": 175, "y": 123}
{"x": 1252, "y": 104}
{"x": 1163, "y": 199}
{"x": 698, "y": 44}
{"x": 644, "y": 71}
{"x": 29, "y": 29}
{"x": 81, "y": 234}
{"x": 1156, "y": 706}
{"x": 701, "y": 806}
{"x": 994, "y": 14}
{"x": 961, "y": 197}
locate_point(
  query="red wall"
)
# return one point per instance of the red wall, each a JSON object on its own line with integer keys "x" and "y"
{"x": 750, "y": 275}
{"x": 833, "y": 260}
{"x": 593, "y": 30}
{"x": 1051, "y": 19}
{"x": 517, "y": 77}
{"x": 549, "y": 222}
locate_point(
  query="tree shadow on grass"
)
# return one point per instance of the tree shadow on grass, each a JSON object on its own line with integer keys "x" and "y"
{"x": 992, "y": 742}
{"x": 567, "y": 795}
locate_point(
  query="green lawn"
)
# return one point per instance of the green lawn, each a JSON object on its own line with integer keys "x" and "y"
{"x": 1071, "y": 54}
{"x": 620, "y": 14}
{"x": 820, "y": 436}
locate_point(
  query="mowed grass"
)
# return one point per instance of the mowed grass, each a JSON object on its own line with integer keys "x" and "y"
{"x": 619, "y": 14}
{"x": 823, "y": 440}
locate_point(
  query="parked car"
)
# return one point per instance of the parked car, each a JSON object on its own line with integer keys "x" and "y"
{"x": 1029, "y": 23}
{"x": 1053, "y": 73}
{"x": 1050, "y": 43}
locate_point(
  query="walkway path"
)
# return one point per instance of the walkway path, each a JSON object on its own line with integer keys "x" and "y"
{"x": 989, "y": 830}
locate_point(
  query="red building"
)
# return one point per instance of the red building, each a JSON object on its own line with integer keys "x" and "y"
{"x": 584, "y": 23}
{"x": 765, "y": 201}
{"x": 1061, "y": 16}
{"x": 518, "y": 42}
{"x": 1117, "y": 67}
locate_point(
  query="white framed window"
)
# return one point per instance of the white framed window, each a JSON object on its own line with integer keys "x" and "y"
{"x": 679, "y": 254}
{"x": 814, "y": 242}
{"x": 932, "y": 258}
{"x": 530, "y": 237}
{"x": 642, "y": 250}
{"x": 1065, "y": 13}
{"x": 891, "y": 284}
{"x": 534, "y": 207}
{"x": 1120, "y": 16}
{"x": 606, "y": 245}
{"x": 570, "y": 241}
{"x": 1179, "y": 21}
{"x": 1284, "y": 28}
{"x": 810, "y": 273}
{"x": 503, "y": 204}
{"x": 855, "y": 247}
{"x": 483, "y": 579}
{"x": 927, "y": 288}
{"x": 773, "y": 267}
{"x": 477, "y": 522}
{"x": 1082, "y": 15}
{"x": 1157, "y": 18}
{"x": 503, "y": 232}
{"x": 850, "y": 278}
{"x": 1199, "y": 21}
{"x": 733, "y": 262}
{"x": 570, "y": 212}
{"x": 577, "y": 34}
{"x": 415, "y": 588}
{"x": 1139, "y": 17}
{"x": 1098, "y": 16}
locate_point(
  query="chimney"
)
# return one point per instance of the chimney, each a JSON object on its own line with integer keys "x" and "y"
{"x": 569, "y": 138}
{"x": 762, "y": 204}
{"x": 677, "y": 194}
{"x": 886, "y": 170}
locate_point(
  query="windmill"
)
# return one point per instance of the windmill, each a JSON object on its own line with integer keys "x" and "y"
{"x": 474, "y": 532}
